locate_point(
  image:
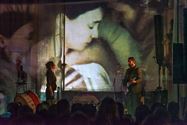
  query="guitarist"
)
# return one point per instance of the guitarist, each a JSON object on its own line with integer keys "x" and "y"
{"x": 133, "y": 84}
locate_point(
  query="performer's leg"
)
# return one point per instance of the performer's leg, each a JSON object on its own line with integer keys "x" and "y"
{"x": 49, "y": 96}
{"x": 132, "y": 103}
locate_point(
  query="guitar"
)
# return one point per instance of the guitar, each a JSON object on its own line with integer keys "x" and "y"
{"x": 133, "y": 88}
{"x": 128, "y": 87}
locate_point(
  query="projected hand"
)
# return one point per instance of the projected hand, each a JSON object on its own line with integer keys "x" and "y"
{"x": 73, "y": 79}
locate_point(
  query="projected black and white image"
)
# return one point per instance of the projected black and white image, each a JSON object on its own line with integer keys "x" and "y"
{"x": 89, "y": 46}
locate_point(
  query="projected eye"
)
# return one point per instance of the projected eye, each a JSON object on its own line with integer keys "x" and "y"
{"x": 91, "y": 26}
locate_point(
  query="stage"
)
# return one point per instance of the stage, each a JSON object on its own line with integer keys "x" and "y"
{"x": 95, "y": 97}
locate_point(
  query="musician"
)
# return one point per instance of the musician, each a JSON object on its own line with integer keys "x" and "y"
{"x": 133, "y": 84}
{"x": 51, "y": 81}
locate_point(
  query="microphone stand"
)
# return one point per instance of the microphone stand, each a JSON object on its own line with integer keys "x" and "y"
{"x": 159, "y": 79}
{"x": 64, "y": 57}
{"x": 62, "y": 53}
{"x": 159, "y": 88}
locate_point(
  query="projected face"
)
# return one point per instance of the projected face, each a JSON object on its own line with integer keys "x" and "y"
{"x": 81, "y": 30}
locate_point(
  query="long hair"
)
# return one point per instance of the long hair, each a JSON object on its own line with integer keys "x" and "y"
{"x": 49, "y": 64}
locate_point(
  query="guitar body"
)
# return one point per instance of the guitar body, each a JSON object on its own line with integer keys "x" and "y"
{"x": 135, "y": 89}
{"x": 133, "y": 75}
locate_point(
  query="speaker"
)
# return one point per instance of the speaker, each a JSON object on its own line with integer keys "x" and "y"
{"x": 178, "y": 63}
{"x": 152, "y": 97}
{"x": 185, "y": 41}
{"x": 159, "y": 49}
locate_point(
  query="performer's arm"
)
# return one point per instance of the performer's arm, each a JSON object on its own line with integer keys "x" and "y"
{"x": 137, "y": 79}
{"x": 139, "y": 76}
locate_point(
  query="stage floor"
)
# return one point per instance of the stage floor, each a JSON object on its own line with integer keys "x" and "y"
{"x": 91, "y": 97}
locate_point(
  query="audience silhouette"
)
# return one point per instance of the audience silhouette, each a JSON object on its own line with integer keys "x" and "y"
{"x": 108, "y": 112}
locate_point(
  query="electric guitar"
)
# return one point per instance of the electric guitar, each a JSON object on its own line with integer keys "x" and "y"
{"x": 133, "y": 88}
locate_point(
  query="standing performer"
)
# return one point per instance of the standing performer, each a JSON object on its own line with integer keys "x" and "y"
{"x": 133, "y": 85}
{"x": 51, "y": 81}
